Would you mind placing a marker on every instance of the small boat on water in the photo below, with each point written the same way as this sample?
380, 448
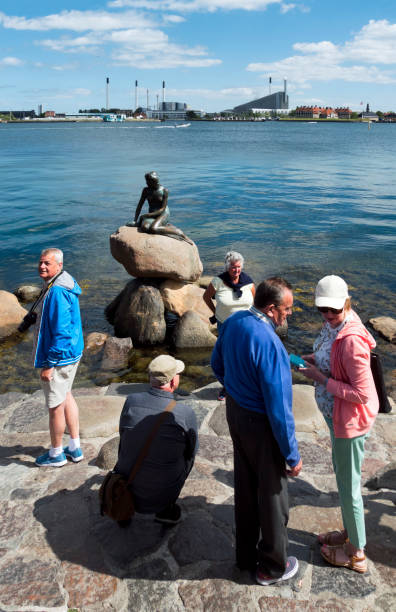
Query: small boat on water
183, 125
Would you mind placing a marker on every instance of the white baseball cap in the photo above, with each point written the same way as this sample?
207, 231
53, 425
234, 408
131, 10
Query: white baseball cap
331, 291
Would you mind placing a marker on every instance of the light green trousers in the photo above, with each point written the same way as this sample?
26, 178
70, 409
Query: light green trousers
347, 456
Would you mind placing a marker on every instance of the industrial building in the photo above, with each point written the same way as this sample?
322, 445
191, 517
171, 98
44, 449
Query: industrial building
276, 102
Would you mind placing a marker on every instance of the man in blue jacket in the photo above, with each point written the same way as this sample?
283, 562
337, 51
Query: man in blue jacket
58, 346
251, 362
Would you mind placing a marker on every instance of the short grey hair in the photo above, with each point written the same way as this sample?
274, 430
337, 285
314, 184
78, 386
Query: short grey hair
231, 257
57, 253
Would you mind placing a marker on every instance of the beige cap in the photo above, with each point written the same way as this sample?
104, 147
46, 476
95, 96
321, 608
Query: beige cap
164, 367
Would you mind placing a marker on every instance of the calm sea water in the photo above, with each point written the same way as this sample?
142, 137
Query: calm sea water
297, 199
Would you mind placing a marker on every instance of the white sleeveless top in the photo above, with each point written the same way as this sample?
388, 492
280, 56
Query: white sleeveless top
226, 302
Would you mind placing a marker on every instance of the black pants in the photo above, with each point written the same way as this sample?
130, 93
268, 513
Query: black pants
261, 499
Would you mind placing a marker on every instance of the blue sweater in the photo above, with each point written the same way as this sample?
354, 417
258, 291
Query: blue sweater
252, 363
59, 340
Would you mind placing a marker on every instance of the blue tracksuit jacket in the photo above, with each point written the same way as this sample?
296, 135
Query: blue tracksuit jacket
59, 336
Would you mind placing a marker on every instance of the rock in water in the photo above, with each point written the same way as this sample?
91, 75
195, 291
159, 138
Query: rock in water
191, 332
27, 293
155, 256
138, 313
115, 353
94, 342
11, 314
385, 326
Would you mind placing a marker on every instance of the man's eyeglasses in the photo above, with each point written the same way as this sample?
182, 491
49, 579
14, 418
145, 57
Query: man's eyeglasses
325, 309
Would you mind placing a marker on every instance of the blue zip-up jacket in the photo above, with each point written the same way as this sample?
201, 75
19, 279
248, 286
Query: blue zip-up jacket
252, 363
59, 338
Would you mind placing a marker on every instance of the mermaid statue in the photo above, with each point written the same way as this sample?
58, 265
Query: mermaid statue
156, 220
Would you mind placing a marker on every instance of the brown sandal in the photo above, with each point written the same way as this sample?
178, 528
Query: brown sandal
332, 538
330, 555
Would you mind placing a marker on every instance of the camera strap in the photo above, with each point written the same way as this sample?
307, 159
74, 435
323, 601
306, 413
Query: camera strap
44, 292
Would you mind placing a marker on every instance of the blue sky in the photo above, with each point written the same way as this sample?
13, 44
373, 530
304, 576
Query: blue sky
212, 54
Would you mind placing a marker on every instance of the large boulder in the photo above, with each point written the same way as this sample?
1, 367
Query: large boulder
179, 297
385, 326
11, 314
191, 332
155, 256
138, 313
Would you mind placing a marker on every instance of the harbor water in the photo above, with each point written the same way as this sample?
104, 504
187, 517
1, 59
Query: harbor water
296, 199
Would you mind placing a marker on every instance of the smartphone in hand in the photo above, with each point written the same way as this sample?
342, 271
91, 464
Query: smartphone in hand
297, 361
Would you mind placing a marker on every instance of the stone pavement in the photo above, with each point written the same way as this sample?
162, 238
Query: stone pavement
57, 553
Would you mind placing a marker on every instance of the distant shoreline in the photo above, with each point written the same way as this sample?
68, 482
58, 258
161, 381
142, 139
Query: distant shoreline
283, 120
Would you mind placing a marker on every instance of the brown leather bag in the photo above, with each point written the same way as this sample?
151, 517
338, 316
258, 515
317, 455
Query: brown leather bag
115, 495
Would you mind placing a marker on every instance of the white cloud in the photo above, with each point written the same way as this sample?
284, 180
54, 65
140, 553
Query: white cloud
285, 8
195, 5
146, 48
64, 67
134, 40
78, 21
360, 60
173, 18
11, 61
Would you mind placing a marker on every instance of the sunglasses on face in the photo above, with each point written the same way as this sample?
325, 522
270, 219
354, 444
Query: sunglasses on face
325, 309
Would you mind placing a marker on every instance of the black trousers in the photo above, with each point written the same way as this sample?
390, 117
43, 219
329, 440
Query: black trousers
261, 499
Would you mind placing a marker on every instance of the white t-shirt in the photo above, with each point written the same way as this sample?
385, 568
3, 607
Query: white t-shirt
226, 301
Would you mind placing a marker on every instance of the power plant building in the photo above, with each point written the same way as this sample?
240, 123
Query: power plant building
278, 101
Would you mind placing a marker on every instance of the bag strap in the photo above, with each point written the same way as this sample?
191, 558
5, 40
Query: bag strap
149, 440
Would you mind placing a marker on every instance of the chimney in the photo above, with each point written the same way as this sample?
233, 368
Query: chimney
107, 93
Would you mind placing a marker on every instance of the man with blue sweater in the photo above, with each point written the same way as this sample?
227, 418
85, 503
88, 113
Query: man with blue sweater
58, 346
251, 362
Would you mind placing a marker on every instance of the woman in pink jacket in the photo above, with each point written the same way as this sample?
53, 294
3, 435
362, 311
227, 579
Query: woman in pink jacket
346, 395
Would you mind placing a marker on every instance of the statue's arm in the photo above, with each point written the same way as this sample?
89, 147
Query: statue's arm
143, 198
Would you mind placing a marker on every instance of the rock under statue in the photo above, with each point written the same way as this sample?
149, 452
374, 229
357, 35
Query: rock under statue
156, 220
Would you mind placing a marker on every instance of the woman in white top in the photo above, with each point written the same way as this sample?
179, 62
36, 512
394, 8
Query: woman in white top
232, 290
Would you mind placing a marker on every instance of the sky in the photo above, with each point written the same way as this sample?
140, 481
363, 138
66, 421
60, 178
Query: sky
212, 54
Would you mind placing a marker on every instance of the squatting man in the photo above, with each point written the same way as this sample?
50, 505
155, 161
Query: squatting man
171, 454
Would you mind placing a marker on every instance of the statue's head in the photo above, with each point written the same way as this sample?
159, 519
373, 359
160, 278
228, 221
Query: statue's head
152, 179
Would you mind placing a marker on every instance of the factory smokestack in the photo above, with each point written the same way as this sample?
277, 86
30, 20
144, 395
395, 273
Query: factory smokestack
163, 91
136, 95
107, 93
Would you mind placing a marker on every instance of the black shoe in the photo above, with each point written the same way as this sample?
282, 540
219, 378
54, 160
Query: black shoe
171, 515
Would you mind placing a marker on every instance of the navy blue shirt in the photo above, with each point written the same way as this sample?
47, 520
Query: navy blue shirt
171, 453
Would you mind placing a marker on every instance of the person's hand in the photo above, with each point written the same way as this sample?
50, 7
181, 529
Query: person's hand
313, 373
309, 358
47, 374
294, 471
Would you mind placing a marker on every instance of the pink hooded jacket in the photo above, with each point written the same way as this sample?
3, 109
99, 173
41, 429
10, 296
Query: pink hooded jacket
352, 384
